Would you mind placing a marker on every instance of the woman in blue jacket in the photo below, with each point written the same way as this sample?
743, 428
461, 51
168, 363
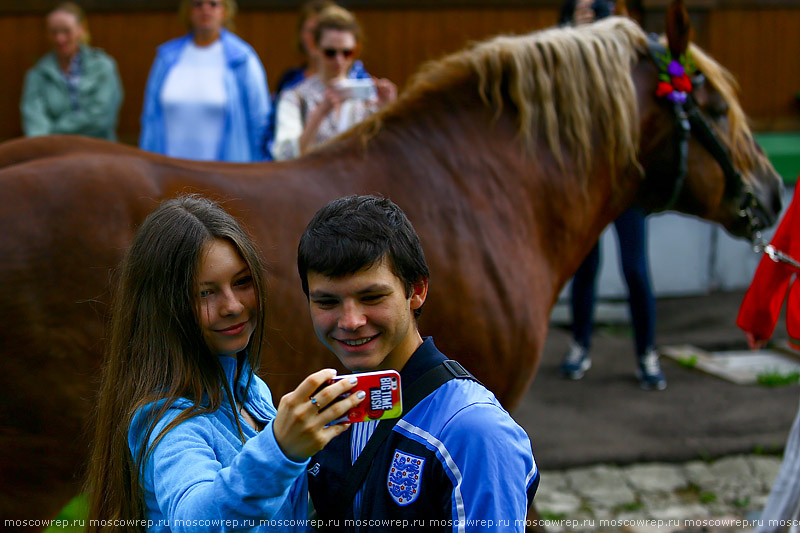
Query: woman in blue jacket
187, 437
206, 96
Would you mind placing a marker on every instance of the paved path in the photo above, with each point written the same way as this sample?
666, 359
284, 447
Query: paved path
723, 496
607, 418
690, 454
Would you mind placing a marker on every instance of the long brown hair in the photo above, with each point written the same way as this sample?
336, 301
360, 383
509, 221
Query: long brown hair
157, 352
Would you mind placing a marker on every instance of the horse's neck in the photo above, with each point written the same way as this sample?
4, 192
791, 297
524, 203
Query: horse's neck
470, 169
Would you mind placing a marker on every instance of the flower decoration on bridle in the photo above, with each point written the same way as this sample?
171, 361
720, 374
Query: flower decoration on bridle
674, 83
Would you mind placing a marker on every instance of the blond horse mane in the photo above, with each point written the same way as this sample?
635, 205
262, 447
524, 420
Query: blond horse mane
742, 153
568, 84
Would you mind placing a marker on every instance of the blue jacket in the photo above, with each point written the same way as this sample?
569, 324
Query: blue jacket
248, 106
200, 477
456, 462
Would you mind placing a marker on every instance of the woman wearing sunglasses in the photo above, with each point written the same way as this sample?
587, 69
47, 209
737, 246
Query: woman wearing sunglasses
206, 97
328, 103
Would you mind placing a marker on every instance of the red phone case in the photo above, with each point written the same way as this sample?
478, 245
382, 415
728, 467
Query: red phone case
384, 397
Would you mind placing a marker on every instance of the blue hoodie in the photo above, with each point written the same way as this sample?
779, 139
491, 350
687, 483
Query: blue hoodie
247, 110
201, 477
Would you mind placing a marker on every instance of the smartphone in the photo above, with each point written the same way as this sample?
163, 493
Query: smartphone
384, 397
357, 89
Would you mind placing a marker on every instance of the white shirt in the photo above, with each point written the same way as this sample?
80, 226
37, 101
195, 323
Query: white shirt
193, 98
296, 105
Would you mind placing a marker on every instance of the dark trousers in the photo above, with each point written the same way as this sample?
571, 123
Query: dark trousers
631, 236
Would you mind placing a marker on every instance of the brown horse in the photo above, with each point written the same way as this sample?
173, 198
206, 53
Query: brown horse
509, 157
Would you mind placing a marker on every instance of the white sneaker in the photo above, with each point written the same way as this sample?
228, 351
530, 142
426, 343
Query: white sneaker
649, 371
576, 362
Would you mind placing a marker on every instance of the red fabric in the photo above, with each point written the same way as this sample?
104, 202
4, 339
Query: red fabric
772, 282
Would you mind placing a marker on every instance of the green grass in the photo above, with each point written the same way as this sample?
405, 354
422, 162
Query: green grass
770, 449
74, 513
630, 507
742, 502
707, 497
777, 379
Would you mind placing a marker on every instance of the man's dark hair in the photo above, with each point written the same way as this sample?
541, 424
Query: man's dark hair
355, 232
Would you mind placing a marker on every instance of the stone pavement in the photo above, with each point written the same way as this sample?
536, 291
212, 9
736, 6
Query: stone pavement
702, 454
720, 496
606, 418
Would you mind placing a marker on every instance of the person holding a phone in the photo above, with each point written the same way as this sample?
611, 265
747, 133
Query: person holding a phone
187, 435
328, 102
456, 458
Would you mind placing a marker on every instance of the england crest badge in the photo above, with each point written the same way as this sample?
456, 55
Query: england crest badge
405, 477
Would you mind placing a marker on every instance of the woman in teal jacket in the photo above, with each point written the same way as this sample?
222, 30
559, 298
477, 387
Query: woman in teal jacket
206, 96
74, 89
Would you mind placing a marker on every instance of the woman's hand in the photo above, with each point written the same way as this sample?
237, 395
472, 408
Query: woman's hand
387, 91
584, 14
300, 425
754, 343
330, 101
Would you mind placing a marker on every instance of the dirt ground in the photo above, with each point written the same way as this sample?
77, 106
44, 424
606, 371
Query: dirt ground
606, 417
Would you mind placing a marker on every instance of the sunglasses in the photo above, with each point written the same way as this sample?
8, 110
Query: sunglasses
330, 53
212, 3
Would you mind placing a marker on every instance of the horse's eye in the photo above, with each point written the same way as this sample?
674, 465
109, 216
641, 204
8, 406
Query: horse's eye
717, 111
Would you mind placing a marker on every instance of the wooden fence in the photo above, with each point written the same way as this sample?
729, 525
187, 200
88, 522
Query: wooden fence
758, 41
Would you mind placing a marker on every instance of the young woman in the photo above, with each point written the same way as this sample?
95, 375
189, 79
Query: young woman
293, 76
187, 437
321, 106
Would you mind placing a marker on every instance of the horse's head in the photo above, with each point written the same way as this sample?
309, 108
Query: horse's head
697, 151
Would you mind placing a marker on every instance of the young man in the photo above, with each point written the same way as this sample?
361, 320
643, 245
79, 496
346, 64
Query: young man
471, 467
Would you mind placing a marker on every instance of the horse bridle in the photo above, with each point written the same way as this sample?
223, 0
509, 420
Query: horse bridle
688, 120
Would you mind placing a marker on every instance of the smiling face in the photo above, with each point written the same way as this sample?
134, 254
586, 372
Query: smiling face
65, 33
226, 298
366, 318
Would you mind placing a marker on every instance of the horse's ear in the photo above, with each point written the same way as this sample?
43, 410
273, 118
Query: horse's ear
679, 28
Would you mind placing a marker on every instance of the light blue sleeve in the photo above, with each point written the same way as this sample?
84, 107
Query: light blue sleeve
152, 134
492, 468
258, 106
193, 489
